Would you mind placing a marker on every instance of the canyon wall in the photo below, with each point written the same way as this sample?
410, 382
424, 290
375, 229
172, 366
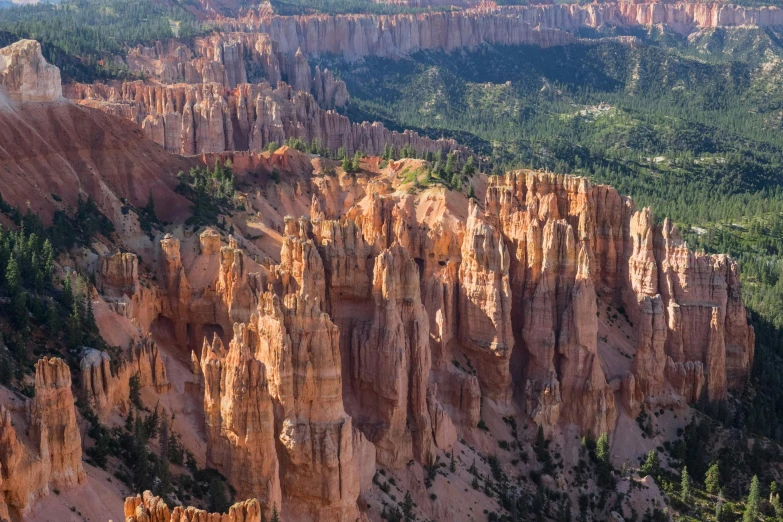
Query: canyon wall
231, 59
204, 118
49, 453
355, 36
391, 326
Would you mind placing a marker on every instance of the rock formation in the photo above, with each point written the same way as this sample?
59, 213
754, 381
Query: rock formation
25, 76
104, 387
53, 456
203, 118
232, 59
547, 24
148, 508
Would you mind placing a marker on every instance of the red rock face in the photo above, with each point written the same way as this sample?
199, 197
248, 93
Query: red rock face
55, 457
546, 24
345, 349
203, 118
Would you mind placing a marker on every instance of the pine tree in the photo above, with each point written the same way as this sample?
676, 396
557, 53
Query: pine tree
151, 423
471, 192
475, 483
650, 466
164, 485
451, 163
347, 165
719, 507
218, 502
141, 468
712, 478
752, 505
13, 279
52, 317
456, 182
540, 440
685, 485
356, 165
452, 464
602, 448
275, 516
564, 511
469, 168
407, 507
130, 421
149, 209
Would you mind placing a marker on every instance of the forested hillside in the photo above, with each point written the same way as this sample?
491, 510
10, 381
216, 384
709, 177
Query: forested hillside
87, 39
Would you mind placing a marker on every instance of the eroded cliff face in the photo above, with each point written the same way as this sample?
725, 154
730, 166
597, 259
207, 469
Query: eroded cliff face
394, 322
232, 59
49, 453
356, 36
25, 76
210, 117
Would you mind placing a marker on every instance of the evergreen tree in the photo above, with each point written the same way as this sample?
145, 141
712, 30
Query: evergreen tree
356, 164
650, 466
407, 507
540, 440
564, 511
275, 516
164, 476
218, 501
469, 168
130, 421
751, 513
471, 192
451, 163
602, 448
685, 485
347, 165
149, 209
13, 279
712, 478
141, 468
456, 182
151, 423
452, 464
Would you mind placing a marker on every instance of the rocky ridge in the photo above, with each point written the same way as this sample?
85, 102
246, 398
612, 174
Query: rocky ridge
356, 36
232, 59
204, 118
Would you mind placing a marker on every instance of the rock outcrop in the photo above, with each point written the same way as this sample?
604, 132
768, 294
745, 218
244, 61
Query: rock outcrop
395, 323
210, 117
25, 76
357, 36
149, 508
52, 457
231, 59
105, 385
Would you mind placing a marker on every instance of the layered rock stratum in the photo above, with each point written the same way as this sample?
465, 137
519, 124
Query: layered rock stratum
356, 36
